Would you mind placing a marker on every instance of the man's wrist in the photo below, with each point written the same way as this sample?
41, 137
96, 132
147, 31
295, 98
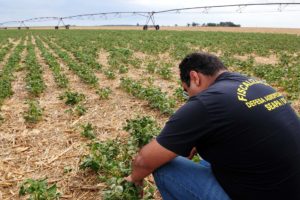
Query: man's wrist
130, 178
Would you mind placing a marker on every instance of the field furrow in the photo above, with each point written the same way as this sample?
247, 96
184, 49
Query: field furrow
11, 130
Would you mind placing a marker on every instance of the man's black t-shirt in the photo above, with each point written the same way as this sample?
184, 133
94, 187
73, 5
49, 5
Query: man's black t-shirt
249, 134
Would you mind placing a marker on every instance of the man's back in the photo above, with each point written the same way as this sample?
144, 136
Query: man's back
248, 133
255, 143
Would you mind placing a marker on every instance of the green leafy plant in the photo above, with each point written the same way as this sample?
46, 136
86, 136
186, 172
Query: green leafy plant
165, 71
4, 51
155, 97
142, 130
60, 78
67, 169
34, 112
151, 67
104, 92
6, 75
110, 74
112, 159
80, 110
39, 190
119, 189
34, 79
118, 56
180, 94
88, 131
196, 159
123, 69
72, 98
83, 71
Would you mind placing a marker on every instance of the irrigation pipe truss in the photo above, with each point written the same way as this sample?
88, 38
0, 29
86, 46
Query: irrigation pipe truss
148, 15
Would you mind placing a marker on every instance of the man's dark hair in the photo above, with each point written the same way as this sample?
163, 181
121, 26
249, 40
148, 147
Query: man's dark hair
204, 63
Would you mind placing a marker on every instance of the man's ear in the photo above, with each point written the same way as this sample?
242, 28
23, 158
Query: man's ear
194, 76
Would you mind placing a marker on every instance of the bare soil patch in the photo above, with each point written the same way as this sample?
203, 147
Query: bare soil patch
103, 57
272, 59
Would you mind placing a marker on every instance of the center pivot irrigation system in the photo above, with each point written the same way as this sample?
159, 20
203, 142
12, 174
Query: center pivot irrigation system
150, 21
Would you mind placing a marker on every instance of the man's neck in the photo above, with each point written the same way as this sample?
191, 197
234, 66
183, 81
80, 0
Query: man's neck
213, 78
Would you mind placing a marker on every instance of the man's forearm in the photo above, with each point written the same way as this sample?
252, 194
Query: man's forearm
150, 157
140, 170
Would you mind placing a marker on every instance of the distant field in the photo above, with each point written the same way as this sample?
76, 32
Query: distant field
184, 28
72, 102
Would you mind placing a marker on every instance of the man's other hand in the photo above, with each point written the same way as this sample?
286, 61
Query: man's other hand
193, 153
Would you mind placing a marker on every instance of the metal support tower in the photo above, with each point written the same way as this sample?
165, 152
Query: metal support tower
150, 18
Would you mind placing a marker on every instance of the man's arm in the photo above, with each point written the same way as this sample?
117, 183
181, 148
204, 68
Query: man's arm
150, 157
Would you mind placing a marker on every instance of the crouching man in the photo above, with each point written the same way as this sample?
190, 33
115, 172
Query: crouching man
246, 132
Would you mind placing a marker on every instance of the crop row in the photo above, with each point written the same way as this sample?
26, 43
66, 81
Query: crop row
6, 76
156, 98
83, 71
60, 78
34, 79
119, 59
81, 52
34, 84
285, 74
162, 69
5, 50
72, 99
179, 43
84, 52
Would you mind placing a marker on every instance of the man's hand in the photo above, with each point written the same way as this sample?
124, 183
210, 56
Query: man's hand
193, 153
137, 183
149, 158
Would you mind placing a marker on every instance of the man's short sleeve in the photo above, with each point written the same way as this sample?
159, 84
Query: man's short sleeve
183, 130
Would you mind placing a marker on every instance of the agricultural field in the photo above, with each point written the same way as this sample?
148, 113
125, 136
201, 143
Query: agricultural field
76, 105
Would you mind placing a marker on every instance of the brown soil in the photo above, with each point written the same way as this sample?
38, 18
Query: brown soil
103, 58
12, 142
272, 60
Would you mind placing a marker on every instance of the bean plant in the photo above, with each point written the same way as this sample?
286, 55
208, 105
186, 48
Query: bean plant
111, 159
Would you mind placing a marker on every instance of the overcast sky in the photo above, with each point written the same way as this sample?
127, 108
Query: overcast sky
263, 16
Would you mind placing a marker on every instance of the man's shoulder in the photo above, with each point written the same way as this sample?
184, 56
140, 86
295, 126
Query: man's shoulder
226, 83
231, 76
